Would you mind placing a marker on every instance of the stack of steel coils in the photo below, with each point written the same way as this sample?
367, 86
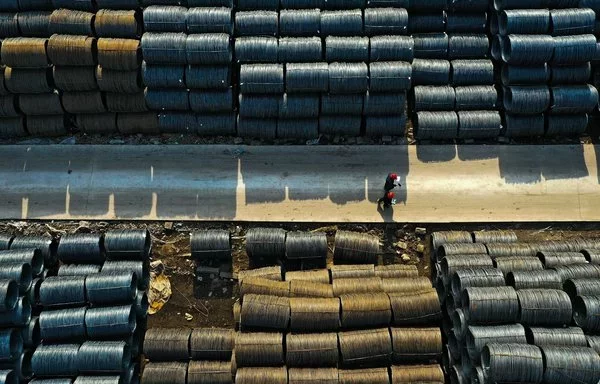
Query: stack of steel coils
211, 251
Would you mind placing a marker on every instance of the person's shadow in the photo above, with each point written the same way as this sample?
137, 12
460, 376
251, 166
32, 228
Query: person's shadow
387, 213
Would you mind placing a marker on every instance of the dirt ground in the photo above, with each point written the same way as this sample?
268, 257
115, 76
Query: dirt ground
171, 246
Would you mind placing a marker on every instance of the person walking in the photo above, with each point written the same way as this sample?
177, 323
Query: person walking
392, 181
387, 200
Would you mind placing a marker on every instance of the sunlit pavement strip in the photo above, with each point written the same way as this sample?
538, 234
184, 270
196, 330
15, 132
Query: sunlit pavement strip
300, 183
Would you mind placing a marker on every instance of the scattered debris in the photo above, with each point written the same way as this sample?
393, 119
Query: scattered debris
188, 317
401, 245
405, 257
420, 231
160, 287
168, 225
420, 248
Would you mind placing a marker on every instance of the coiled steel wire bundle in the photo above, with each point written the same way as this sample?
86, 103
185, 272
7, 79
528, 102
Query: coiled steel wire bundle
416, 344
572, 21
41, 104
546, 279
544, 307
348, 78
481, 98
259, 349
581, 287
31, 333
566, 125
426, 22
495, 236
84, 102
585, 312
478, 337
490, 305
256, 23
119, 54
9, 106
261, 78
55, 360
262, 286
118, 81
384, 104
167, 372
417, 373
94, 123
316, 375
314, 314
352, 271
527, 49
472, 72
465, 46
570, 365
19, 271
518, 263
342, 23
62, 291
19, 316
512, 363
273, 273
261, 375
303, 128
12, 127
573, 99
25, 80
452, 249
163, 76
212, 343
351, 247
524, 21
78, 269
385, 21
99, 379
524, 125
431, 45
572, 74
435, 125
120, 23
33, 257
167, 99
567, 337
391, 48
129, 123
214, 244
365, 375
452, 263
372, 347
256, 49
9, 294
433, 98
12, 345
208, 49
315, 276
9, 25
526, 99
579, 271
300, 49
211, 101
103, 357
430, 72
311, 350
396, 271
213, 371
305, 22
306, 245
74, 78
164, 344
209, 20
63, 325
71, 22
169, 18
164, 48
55, 125
570, 50
301, 4
117, 4
350, 49
511, 249
110, 322
396, 285
479, 124
306, 77
301, 106
459, 324
5, 241
415, 308
208, 77
340, 125
389, 76
25, 52
265, 312
466, 22
213, 124
450, 237
81, 248
553, 259
515, 75
267, 243
127, 244
361, 310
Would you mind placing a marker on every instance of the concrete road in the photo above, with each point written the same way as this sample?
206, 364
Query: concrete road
300, 183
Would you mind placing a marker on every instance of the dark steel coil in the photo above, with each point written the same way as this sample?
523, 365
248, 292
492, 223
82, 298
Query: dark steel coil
174, 122
342, 49
311, 350
491, 305
451, 249
306, 245
570, 365
391, 48
312, 314
25, 80
352, 271
120, 102
98, 380
593, 342
348, 78
267, 243
84, 102
9, 294
72, 50
265, 312
10, 6
415, 308
110, 322
299, 106
9, 106
372, 347
464, 46
5, 241
12, 127
572, 21
524, 125
29, 5
301, 4
573, 99
385, 21
167, 344
430, 72
390, 76
523, 75
495, 236
261, 375
465, 22
167, 18
524, 21
305, 22
128, 244
472, 72
512, 363
313, 375
435, 125
518, 263
342, 23
553, 259
365, 375
164, 48
410, 345
384, 104
209, 49
511, 249
167, 99
426, 22
123, 24
578, 271
256, 49
31, 333
19, 271
479, 124
212, 343
546, 279
211, 101
385, 125
306, 77
477, 337
209, 20
25, 52
141, 306
11, 345
163, 76
352, 247
114, 286
527, 49
571, 74
585, 313
566, 125
431, 45
117, 4
109, 80
71, 22
300, 49
475, 277
33, 257
340, 125
21, 366
263, 286
433, 98
214, 244
316, 276
450, 237
129, 123
526, 99
81, 5
581, 287
127, 249
74, 78
208, 77
55, 360
417, 373
63, 325
406, 284
452, 263
48, 125
544, 307
63, 291
78, 269
218, 372
9, 25
570, 50
119, 54
259, 349
356, 285
566, 337
168, 372
261, 78
41, 104
396, 271
103, 357
19, 316
265, 128
256, 23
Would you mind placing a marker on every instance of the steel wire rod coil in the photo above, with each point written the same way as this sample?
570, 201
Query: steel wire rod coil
272, 273
302, 128
342, 23
495, 236
299, 288
477, 337
546, 279
347, 78
168, 18
212, 371
262, 78
118, 23
472, 72
163, 76
593, 342
212, 343
313, 375
352, 247
167, 372
450, 237
19, 316
129, 244
392, 76
12, 127
574, 49
579, 271
174, 122
415, 308
11, 345
301, 4
109, 80
510, 249
119, 54
114, 286
527, 49
365, 375
346, 49
391, 48
71, 22
452, 249
435, 125
426, 22
261, 375
9, 294
209, 20
9, 25
360, 310
314, 314
267, 243
300, 49
315, 276
214, 244
411, 345
585, 313
33, 257
265, 312
396, 285
25, 52
572, 74
518, 263
167, 99
71, 79
165, 344
396, 271
581, 287
524, 21
364, 348
78, 269
31, 333
384, 104
523, 75
311, 350
63, 291
9, 106
54, 125
512, 363
574, 21
431, 46
131, 103
475, 277
55, 360
342, 104
260, 106
257, 23
208, 77
81, 248
452, 263
164, 48
83, 102
306, 245
566, 125
5, 241
19, 271
259, 349
352, 271
139, 268
103, 357
306, 77
103, 323
527, 99
491, 305
430, 72
302, 106
466, 22
41, 104
554, 259
544, 307
433, 98
385, 21
257, 127
565, 337
27, 80
209, 49
573, 99
98, 380
305, 22
479, 124
468, 46
63, 325
262, 286
256, 49
417, 373
570, 365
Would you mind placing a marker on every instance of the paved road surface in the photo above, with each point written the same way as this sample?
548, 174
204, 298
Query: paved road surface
300, 183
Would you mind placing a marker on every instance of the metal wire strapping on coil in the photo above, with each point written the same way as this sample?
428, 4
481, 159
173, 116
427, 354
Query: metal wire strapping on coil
411, 345
370, 347
163, 76
261, 375
300, 49
70, 22
311, 350
475, 277
574, 49
19, 271
512, 363
524, 21
491, 305
164, 48
55, 360
63, 290
567, 337
527, 49
261, 78
259, 349
526, 99
256, 49
124, 24
110, 322
306, 77
479, 124
168, 372
63, 325
433, 98
573, 99
431, 45
435, 125
216, 371
415, 308
306, 22
265, 312
164, 344
570, 365
472, 72
118, 81
22, 52
212, 343
544, 307
256, 23
464, 46
209, 20
477, 337
299, 106
159, 18
314, 314
342, 23
430, 72
25, 80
